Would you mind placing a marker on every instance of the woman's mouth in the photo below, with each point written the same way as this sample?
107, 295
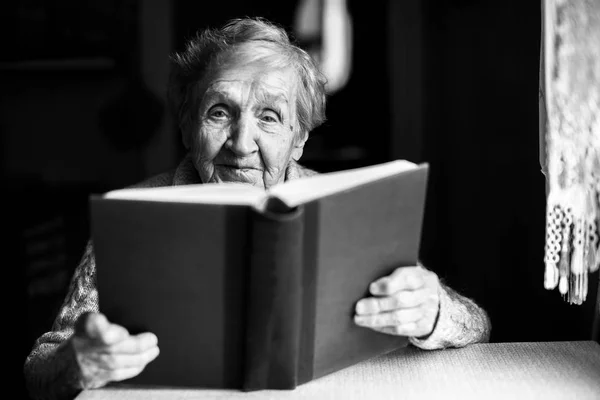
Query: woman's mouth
241, 168
238, 173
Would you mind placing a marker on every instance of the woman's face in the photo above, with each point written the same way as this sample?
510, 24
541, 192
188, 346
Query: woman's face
244, 130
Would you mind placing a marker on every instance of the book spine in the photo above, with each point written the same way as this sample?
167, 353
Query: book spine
274, 303
309, 292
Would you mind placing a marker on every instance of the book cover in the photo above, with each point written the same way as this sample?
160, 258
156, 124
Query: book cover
256, 291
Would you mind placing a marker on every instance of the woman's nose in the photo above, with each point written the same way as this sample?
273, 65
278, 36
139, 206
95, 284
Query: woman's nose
242, 140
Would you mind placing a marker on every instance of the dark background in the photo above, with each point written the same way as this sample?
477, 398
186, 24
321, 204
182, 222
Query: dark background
450, 82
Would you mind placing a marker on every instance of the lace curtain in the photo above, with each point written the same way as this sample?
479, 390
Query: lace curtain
570, 143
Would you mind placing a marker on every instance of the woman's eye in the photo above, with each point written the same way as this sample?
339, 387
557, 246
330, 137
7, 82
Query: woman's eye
269, 116
218, 113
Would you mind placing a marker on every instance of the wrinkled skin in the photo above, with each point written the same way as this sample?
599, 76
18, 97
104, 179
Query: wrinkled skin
106, 352
245, 129
405, 303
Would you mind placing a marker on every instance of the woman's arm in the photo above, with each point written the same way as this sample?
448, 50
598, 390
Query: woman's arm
460, 322
51, 369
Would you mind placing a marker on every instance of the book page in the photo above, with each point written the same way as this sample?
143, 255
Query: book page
207, 193
294, 193
291, 193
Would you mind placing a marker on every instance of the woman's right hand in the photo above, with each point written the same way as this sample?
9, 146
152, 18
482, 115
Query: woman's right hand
106, 352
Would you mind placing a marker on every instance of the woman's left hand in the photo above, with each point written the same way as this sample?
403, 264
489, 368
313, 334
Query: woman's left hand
405, 303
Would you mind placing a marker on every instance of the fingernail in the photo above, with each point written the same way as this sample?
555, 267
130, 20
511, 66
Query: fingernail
373, 287
379, 287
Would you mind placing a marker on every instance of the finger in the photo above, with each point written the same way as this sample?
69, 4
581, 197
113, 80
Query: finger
116, 361
397, 330
418, 328
403, 278
90, 325
390, 318
135, 344
95, 326
125, 373
113, 334
400, 299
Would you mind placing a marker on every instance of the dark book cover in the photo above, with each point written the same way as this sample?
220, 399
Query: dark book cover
178, 271
349, 239
248, 299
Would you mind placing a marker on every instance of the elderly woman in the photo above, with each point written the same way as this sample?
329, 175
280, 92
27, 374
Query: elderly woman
246, 99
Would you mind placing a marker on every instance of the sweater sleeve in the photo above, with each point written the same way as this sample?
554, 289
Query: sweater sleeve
51, 370
460, 322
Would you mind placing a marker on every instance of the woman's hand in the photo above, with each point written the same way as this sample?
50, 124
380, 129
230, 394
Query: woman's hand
405, 303
107, 352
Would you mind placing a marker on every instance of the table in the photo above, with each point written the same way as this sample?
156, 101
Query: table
538, 370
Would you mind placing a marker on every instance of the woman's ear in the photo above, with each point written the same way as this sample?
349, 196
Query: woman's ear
298, 149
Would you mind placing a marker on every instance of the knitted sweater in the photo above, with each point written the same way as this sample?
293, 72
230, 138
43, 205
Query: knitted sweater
51, 369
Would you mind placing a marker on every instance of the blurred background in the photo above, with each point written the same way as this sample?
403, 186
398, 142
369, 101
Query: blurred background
450, 82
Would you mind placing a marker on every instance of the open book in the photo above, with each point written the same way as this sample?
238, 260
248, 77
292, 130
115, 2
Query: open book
254, 289
291, 193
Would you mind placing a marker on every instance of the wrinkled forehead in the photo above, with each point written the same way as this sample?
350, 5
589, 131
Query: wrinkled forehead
252, 84
256, 68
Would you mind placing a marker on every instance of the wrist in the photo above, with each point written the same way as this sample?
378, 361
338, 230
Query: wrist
435, 323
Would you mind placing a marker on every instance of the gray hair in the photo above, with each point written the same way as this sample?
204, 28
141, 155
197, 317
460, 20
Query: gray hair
204, 52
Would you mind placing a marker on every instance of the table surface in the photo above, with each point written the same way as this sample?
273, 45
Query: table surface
537, 370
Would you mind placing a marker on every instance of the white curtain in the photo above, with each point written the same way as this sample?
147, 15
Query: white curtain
570, 143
